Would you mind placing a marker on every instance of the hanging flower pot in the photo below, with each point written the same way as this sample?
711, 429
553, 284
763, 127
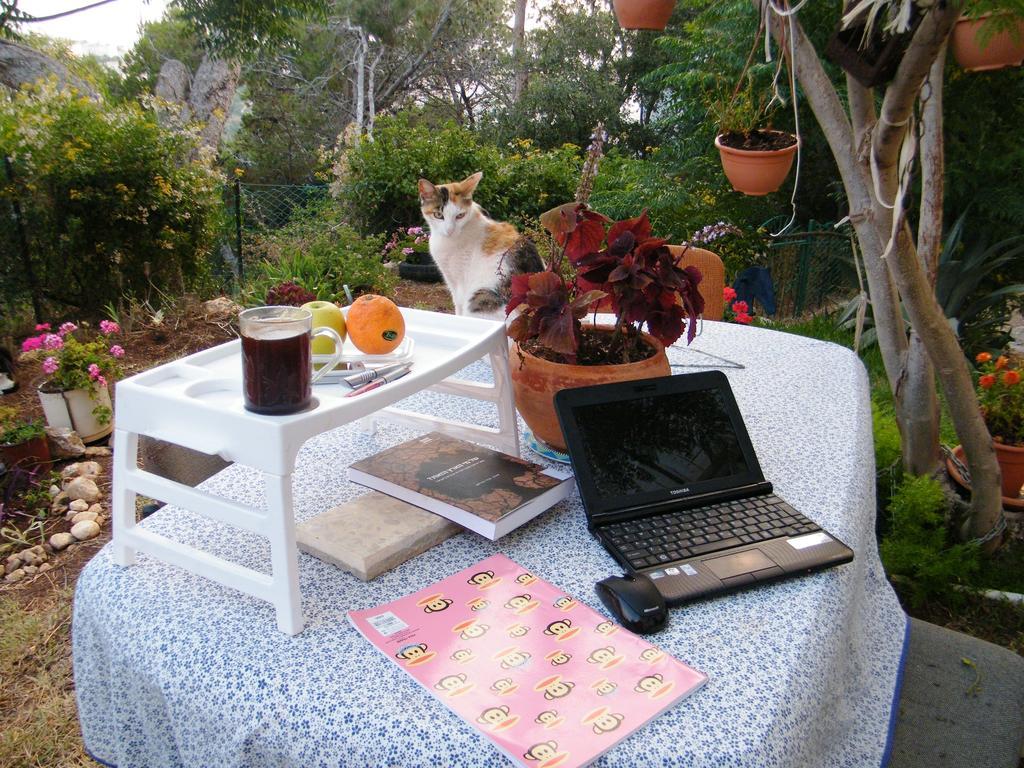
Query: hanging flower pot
1004, 48
88, 413
643, 14
756, 162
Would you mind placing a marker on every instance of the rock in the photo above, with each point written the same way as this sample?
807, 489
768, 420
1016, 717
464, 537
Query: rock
30, 570
78, 505
38, 550
28, 557
89, 469
101, 520
12, 566
48, 548
97, 450
71, 470
60, 503
220, 309
12, 559
45, 567
87, 529
82, 488
97, 508
64, 443
54, 490
61, 541
83, 516
13, 576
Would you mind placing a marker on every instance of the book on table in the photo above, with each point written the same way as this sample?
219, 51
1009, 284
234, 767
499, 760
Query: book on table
484, 490
548, 680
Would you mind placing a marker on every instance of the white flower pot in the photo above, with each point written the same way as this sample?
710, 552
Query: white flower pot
73, 409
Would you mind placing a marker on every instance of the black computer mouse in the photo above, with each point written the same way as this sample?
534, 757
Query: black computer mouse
634, 602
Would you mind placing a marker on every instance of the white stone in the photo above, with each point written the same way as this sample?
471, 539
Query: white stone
96, 450
61, 541
11, 559
54, 490
17, 575
78, 505
12, 566
64, 443
97, 508
101, 520
38, 549
30, 569
28, 557
71, 470
83, 516
87, 529
45, 567
89, 468
82, 488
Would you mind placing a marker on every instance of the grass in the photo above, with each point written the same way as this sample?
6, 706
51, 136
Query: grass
38, 718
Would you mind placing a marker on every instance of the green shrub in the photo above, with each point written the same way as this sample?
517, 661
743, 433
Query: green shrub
376, 180
920, 545
319, 252
111, 202
888, 455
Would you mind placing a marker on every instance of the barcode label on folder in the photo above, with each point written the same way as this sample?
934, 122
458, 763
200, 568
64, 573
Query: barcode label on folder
386, 623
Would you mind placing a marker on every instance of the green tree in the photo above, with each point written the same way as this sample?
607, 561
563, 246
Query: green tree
171, 37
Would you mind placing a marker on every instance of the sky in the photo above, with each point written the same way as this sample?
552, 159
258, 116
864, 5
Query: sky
108, 30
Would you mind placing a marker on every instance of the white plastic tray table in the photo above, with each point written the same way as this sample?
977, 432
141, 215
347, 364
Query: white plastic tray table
196, 402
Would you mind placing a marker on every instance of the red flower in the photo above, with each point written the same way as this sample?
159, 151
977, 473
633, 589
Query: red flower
740, 307
983, 357
1010, 378
1001, 362
743, 318
728, 294
987, 380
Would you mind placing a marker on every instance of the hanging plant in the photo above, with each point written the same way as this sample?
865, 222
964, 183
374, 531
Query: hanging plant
989, 41
872, 37
643, 14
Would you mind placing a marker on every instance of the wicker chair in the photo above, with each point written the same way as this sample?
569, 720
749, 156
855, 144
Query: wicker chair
710, 266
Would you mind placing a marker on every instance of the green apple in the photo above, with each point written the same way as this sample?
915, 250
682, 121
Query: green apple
326, 314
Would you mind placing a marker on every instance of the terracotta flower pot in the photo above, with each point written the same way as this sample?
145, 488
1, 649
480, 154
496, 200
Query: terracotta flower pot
643, 14
29, 454
73, 409
1011, 464
756, 172
536, 381
1004, 49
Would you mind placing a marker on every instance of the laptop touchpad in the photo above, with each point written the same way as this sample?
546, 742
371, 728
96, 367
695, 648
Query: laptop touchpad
741, 562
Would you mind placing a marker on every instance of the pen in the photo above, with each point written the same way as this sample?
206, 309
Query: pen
368, 375
380, 381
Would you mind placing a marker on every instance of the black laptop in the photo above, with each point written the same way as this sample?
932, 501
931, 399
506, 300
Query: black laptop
672, 487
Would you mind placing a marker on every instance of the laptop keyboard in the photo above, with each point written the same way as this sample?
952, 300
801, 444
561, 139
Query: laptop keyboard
673, 536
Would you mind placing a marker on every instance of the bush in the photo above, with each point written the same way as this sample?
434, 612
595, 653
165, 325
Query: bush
376, 181
319, 252
111, 203
919, 546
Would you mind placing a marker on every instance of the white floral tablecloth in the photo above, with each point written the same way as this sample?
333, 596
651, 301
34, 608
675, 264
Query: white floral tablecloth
174, 670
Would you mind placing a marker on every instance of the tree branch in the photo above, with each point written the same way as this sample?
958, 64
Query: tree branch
414, 65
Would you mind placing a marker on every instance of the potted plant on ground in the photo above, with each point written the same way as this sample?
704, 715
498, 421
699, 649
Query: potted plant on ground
75, 392
412, 245
989, 41
22, 443
643, 14
1001, 397
594, 257
755, 160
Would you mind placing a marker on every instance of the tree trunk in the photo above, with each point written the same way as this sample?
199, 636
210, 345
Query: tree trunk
209, 101
21, 65
518, 52
370, 94
360, 94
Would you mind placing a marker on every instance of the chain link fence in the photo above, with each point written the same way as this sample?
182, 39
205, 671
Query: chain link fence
811, 270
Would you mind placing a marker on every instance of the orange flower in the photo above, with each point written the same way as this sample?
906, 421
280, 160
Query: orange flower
987, 380
1001, 362
983, 357
1010, 378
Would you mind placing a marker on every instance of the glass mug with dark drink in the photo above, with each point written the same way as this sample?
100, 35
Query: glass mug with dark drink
277, 362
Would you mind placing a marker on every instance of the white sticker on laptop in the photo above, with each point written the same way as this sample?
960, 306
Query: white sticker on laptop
386, 623
688, 569
672, 571
810, 540
657, 575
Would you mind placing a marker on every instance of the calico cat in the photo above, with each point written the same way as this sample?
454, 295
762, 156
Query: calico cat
476, 255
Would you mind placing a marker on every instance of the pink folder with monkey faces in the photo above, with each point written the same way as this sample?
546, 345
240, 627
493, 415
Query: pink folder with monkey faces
550, 681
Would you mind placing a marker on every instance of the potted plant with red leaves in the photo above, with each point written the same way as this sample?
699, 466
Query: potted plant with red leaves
595, 258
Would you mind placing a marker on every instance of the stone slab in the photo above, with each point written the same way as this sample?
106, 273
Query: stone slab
372, 534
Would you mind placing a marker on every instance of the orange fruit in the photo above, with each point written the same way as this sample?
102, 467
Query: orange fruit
375, 324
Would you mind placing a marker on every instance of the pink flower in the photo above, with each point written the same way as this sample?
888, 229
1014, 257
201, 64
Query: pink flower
117, 350
415, 230
43, 327
101, 381
743, 318
50, 366
53, 341
728, 294
32, 343
109, 326
94, 371
740, 307
67, 328
421, 239
407, 251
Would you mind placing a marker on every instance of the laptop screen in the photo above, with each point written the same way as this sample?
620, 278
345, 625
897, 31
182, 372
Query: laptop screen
638, 443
